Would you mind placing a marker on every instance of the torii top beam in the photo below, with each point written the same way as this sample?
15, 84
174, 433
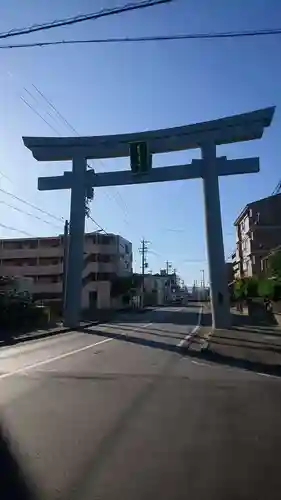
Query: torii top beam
237, 128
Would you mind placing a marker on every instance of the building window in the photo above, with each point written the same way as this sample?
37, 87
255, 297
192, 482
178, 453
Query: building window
250, 212
55, 278
29, 262
244, 245
12, 245
49, 261
254, 259
50, 242
32, 244
103, 257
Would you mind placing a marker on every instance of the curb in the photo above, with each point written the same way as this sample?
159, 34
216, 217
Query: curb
38, 336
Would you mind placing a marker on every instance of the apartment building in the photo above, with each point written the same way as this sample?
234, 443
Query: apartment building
106, 256
258, 230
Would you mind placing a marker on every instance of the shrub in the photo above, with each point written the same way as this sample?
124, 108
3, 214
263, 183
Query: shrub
266, 288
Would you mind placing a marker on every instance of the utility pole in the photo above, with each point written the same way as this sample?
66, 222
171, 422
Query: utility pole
203, 278
65, 258
168, 266
143, 251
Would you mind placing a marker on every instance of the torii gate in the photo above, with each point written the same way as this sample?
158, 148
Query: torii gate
206, 136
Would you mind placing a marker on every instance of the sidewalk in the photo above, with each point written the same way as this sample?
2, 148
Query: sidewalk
250, 344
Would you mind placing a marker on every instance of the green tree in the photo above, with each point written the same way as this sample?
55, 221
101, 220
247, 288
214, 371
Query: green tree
274, 261
266, 288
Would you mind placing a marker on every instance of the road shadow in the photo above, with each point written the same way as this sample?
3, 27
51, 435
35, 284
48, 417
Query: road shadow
206, 318
245, 344
14, 484
271, 332
184, 350
155, 332
243, 320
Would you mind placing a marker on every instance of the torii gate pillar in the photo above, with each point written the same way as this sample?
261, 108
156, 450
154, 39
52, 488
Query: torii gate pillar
220, 304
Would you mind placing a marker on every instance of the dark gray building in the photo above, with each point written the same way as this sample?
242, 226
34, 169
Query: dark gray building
258, 230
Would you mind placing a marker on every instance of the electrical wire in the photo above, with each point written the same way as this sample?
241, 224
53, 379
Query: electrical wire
60, 219
81, 18
36, 100
73, 129
98, 225
29, 214
17, 230
160, 38
55, 110
21, 199
56, 131
277, 189
38, 114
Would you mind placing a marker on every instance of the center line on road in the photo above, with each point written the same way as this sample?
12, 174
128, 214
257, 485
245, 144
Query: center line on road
55, 358
193, 331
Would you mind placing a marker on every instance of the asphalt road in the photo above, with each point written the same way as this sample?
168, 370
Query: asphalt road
114, 413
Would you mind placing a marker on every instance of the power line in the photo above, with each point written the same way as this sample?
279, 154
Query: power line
29, 214
56, 110
36, 100
60, 219
56, 131
39, 114
81, 18
21, 199
17, 230
159, 38
277, 189
98, 225
71, 127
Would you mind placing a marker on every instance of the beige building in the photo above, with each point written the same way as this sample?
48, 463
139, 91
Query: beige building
258, 230
106, 256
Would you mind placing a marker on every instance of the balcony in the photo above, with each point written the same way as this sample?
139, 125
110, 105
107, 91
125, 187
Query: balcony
99, 267
31, 270
47, 288
27, 253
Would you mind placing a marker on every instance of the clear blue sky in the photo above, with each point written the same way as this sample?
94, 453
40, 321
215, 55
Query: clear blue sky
103, 89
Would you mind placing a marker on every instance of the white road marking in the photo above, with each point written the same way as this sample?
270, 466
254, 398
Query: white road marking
267, 375
55, 358
193, 331
200, 364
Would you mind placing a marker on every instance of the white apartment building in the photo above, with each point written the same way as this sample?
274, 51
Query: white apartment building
106, 256
161, 288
